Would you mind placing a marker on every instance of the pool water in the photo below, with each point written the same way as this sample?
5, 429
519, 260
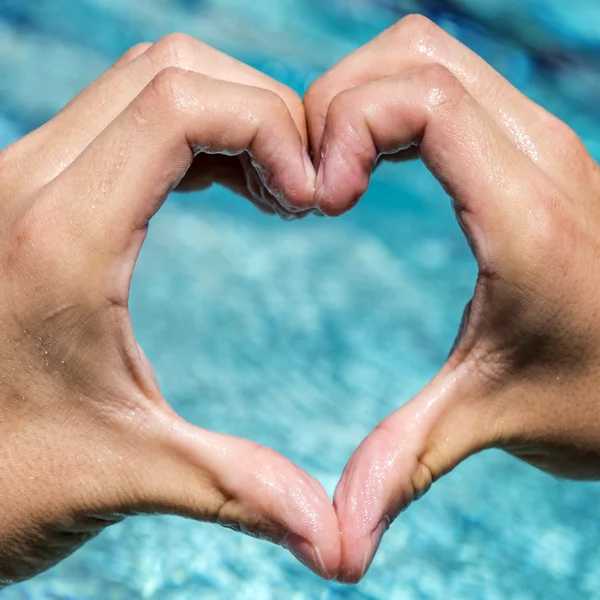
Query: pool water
303, 336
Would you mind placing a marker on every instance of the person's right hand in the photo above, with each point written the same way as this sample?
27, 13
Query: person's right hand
86, 436
525, 372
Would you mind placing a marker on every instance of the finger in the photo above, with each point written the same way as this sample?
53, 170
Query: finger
492, 184
209, 169
414, 42
63, 138
132, 54
400, 459
147, 460
246, 487
132, 166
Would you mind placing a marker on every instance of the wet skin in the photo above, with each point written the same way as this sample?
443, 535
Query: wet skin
86, 437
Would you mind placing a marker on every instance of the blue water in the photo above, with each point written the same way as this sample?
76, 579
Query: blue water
303, 336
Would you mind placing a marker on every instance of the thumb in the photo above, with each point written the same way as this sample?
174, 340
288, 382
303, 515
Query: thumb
401, 458
184, 470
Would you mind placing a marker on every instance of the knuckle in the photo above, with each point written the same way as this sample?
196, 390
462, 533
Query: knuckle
267, 464
174, 49
38, 264
317, 91
571, 150
32, 247
139, 48
167, 82
322, 91
18, 242
7, 161
133, 53
292, 100
340, 105
165, 93
443, 89
347, 123
227, 514
273, 105
416, 32
436, 74
551, 222
569, 140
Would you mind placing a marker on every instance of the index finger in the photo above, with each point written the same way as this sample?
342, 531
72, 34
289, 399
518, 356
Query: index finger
129, 170
415, 42
492, 184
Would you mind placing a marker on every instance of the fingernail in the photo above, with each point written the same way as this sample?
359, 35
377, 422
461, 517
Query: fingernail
320, 185
309, 168
321, 174
305, 552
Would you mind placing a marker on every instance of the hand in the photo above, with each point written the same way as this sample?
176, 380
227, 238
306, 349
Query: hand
86, 436
525, 370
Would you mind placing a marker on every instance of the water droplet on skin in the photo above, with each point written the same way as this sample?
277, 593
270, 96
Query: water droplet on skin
520, 137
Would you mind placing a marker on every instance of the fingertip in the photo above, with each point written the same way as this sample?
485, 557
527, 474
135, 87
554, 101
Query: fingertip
365, 496
309, 168
325, 204
254, 490
335, 204
339, 184
311, 557
317, 546
358, 555
374, 543
291, 188
303, 510
316, 112
333, 207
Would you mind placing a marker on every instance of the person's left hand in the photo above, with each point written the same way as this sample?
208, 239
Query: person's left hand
523, 375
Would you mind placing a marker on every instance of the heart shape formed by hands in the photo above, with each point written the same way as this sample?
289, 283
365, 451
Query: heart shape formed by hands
180, 115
